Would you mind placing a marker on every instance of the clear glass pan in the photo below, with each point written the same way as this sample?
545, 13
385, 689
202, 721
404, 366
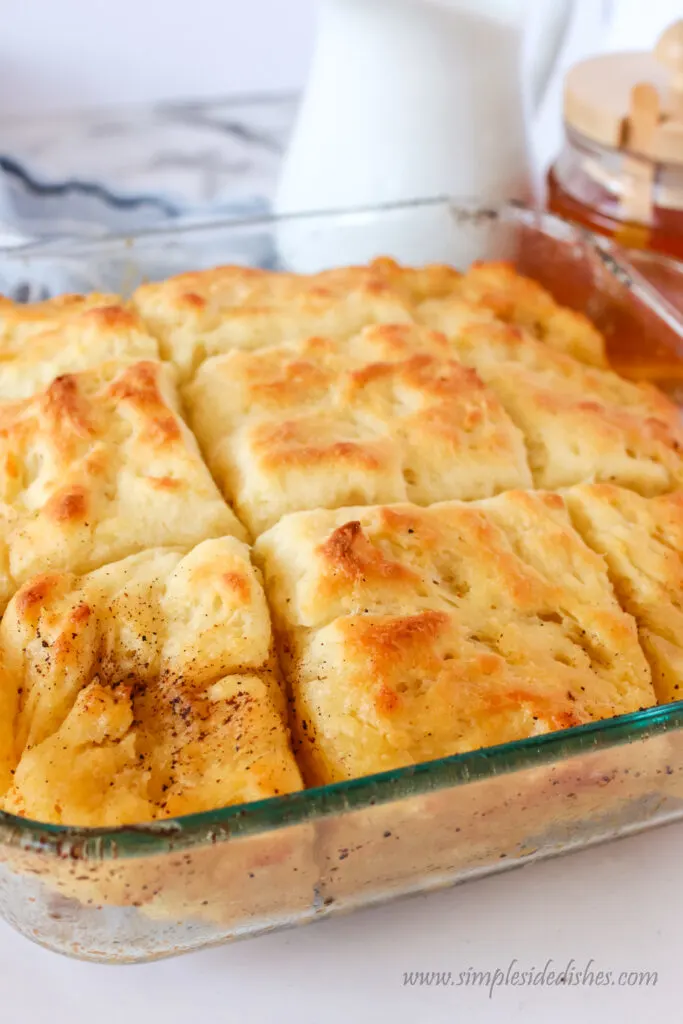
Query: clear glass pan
138, 893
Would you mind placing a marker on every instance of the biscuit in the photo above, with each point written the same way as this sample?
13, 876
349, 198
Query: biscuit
38, 349
143, 690
96, 467
508, 297
642, 542
386, 416
580, 422
22, 320
409, 634
209, 312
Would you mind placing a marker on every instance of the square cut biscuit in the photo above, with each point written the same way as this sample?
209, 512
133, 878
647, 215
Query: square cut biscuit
210, 312
581, 423
33, 353
386, 416
143, 690
22, 320
411, 633
494, 291
96, 467
641, 540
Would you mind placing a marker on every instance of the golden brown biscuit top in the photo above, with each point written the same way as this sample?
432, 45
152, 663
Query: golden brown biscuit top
412, 633
642, 542
580, 422
409, 631
521, 302
210, 312
141, 690
515, 551
19, 321
223, 288
644, 536
491, 291
384, 416
84, 340
98, 466
204, 313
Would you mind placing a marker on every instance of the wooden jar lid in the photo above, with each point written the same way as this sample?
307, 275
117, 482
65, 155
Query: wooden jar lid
632, 101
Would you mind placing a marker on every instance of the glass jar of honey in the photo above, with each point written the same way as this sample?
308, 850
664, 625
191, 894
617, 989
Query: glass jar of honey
621, 170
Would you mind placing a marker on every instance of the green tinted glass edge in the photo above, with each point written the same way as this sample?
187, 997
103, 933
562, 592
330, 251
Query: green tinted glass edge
338, 798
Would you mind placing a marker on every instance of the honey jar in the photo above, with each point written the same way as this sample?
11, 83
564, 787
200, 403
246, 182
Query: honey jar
621, 169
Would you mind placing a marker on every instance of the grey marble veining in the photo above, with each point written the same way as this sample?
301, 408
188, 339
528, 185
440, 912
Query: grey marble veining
117, 170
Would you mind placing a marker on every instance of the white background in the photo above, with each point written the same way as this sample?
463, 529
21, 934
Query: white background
73, 53
57, 54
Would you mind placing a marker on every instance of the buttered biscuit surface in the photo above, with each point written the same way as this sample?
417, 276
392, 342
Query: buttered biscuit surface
206, 312
409, 634
96, 467
38, 345
387, 415
142, 690
642, 542
580, 423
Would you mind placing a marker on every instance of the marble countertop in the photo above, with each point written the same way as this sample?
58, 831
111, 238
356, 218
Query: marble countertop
121, 169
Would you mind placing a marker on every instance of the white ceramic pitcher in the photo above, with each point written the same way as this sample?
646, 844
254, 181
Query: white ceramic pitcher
419, 98
412, 98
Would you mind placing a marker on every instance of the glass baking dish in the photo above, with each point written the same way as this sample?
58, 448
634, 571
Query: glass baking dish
139, 893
